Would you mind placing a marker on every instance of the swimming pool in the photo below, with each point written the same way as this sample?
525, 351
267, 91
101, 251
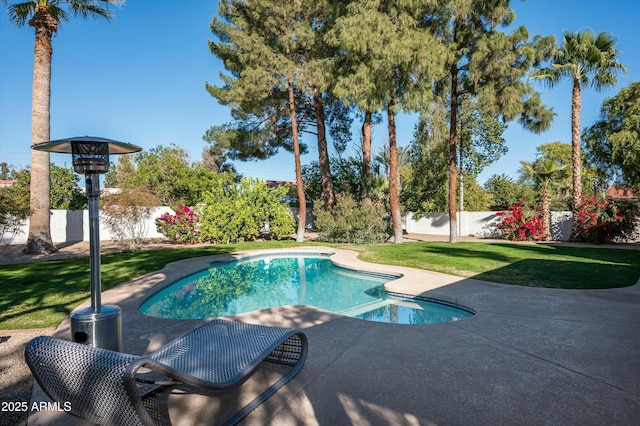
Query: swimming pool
268, 281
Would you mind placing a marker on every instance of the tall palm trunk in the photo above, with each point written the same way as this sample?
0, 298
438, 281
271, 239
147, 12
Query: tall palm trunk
326, 180
296, 154
453, 171
39, 239
394, 200
367, 125
576, 160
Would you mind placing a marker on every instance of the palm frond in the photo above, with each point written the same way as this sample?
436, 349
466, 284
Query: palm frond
86, 9
19, 13
57, 12
543, 170
590, 58
550, 76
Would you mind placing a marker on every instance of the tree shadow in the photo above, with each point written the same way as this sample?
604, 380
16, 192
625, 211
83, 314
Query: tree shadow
531, 264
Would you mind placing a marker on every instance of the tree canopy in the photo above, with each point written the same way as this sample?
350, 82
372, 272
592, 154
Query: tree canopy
613, 142
164, 171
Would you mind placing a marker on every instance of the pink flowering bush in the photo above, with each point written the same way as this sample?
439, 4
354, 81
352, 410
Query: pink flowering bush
181, 227
602, 219
520, 223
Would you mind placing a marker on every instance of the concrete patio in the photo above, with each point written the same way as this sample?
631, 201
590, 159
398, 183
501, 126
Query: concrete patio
530, 356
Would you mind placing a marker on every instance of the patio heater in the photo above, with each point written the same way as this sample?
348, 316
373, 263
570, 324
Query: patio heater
100, 325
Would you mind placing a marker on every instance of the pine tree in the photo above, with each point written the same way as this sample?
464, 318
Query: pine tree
258, 43
391, 57
251, 50
490, 66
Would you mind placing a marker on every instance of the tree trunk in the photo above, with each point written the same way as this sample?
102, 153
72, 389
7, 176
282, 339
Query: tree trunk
394, 201
296, 154
39, 239
453, 172
326, 180
367, 126
461, 179
546, 214
576, 160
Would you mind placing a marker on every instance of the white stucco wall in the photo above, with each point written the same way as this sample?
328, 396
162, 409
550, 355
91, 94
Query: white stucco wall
479, 224
73, 225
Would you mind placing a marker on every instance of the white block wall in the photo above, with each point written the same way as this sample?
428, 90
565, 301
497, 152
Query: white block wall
73, 226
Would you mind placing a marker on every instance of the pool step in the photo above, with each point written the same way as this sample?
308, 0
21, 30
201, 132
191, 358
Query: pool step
366, 307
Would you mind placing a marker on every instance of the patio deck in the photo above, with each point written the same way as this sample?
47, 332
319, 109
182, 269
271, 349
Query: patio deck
529, 356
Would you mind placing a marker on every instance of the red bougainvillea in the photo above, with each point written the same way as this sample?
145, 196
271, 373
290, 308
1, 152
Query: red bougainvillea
181, 227
602, 219
520, 223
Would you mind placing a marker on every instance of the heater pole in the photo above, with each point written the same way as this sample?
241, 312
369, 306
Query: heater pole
98, 325
93, 193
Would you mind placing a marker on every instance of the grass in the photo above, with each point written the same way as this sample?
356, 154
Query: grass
38, 295
534, 265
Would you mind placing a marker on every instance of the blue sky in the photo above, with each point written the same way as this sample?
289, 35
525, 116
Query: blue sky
141, 79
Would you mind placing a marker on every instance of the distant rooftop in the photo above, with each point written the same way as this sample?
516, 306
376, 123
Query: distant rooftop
623, 192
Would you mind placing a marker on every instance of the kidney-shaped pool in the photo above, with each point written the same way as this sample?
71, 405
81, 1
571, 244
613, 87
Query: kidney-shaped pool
269, 281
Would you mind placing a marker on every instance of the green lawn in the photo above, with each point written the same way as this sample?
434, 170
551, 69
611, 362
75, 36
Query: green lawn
534, 265
40, 294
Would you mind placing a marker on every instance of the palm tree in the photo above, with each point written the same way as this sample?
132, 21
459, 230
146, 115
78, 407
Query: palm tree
383, 158
544, 172
586, 59
44, 16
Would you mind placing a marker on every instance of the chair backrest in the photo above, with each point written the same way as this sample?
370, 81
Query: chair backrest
89, 382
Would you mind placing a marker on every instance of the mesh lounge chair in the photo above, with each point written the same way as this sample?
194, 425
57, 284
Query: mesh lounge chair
106, 387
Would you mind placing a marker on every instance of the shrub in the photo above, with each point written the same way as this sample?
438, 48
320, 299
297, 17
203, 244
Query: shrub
180, 227
126, 215
244, 212
602, 219
353, 222
14, 209
520, 223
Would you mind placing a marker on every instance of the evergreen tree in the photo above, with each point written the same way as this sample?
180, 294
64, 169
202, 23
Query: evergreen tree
391, 57
262, 124
491, 66
65, 194
259, 43
426, 187
503, 192
165, 172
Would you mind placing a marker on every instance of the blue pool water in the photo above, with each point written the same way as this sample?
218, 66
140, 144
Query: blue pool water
293, 279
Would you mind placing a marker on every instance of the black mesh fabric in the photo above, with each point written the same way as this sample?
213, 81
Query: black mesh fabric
105, 387
222, 353
89, 380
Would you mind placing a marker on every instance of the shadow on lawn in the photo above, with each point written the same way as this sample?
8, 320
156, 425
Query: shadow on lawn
575, 275
532, 264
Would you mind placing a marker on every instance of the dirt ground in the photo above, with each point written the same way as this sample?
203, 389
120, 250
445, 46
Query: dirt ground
13, 254
16, 381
